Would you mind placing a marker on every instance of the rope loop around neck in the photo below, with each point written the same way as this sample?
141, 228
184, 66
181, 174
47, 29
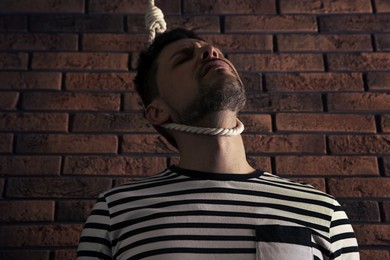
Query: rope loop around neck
207, 131
154, 21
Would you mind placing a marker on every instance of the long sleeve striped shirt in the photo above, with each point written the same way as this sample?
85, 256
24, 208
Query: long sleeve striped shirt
184, 214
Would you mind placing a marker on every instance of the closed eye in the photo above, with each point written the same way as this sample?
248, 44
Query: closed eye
183, 56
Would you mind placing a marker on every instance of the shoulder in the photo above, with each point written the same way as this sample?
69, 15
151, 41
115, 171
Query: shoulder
139, 185
298, 189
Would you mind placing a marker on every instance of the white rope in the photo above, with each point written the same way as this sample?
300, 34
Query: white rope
154, 20
207, 131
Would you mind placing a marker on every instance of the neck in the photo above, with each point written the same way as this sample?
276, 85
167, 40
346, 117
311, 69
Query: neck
217, 154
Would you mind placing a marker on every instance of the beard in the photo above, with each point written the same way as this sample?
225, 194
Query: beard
225, 93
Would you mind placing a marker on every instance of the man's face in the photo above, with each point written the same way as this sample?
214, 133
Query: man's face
195, 80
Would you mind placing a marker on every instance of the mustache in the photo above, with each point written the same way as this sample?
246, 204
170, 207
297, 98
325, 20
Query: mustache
205, 65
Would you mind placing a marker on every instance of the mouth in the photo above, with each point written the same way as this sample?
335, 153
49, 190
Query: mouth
213, 65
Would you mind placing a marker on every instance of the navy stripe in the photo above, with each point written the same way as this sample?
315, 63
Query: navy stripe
204, 202
194, 251
198, 225
345, 250
95, 254
342, 236
284, 234
129, 223
95, 240
183, 238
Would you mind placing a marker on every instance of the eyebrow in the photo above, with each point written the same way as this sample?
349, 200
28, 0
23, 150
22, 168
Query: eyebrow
182, 51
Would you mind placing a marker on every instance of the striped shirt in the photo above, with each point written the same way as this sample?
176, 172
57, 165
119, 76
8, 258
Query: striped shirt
184, 214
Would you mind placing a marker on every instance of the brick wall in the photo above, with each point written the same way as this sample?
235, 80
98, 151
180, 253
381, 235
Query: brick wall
317, 74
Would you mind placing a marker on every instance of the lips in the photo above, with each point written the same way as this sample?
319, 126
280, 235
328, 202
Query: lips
213, 65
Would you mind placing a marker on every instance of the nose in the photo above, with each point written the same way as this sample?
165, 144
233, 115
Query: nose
208, 51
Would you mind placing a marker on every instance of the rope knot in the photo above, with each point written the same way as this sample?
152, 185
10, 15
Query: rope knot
154, 20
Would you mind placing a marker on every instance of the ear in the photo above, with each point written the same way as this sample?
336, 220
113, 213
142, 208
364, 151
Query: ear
157, 113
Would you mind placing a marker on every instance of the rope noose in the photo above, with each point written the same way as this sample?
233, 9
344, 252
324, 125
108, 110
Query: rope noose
155, 23
154, 20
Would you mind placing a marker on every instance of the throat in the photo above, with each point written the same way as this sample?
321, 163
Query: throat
214, 154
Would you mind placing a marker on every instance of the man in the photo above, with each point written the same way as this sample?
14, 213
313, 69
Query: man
213, 204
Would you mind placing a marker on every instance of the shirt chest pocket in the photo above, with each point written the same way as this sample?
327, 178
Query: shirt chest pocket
276, 242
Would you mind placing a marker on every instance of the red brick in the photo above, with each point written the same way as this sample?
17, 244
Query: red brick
362, 211
30, 165
25, 254
13, 23
133, 102
74, 210
378, 81
114, 42
230, 7
325, 6
57, 143
318, 42
133, 7
8, 100
100, 81
240, 42
360, 187
277, 62
260, 162
40, 235
283, 103
134, 60
371, 254
355, 23
56, 187
255, 123
42, 6
313, 82
372, 234
38, 42
146, 144
77, 23
317, 183
268, 144
359, 102
252, 81
359, 144
104, 122
80, 61
66, 254
359, 61
6, 143
326, 165
118, 165
382, 6
26, 210
123, 181
385, 121
200, 24
386, 210
38, 122
269, 23
13, 60
325, 122
173, 160
30, 80
382, 42
71, 101
2, 187
386, 161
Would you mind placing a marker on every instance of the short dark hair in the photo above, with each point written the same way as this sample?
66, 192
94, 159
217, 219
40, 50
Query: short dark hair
145, 81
